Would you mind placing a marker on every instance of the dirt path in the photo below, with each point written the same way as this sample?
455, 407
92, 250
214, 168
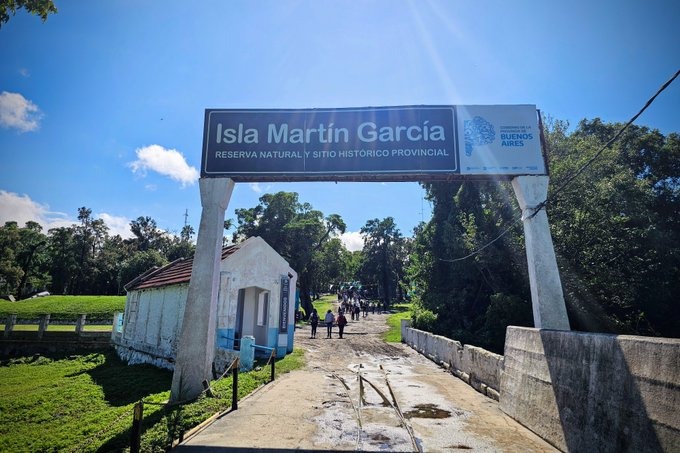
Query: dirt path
344, 399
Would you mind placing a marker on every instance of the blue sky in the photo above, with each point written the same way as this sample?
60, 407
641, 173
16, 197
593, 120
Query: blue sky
103, 105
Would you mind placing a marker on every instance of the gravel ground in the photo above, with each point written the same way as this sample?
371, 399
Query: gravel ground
359, 393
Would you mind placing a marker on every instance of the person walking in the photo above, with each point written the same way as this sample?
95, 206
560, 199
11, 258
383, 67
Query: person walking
329, 319
314, 321
342, 322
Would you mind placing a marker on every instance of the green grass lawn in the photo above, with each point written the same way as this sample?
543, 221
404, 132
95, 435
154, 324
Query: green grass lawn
84, 402
324, 304
64, 307
403, 311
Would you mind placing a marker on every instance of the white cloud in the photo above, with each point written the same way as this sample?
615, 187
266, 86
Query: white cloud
17, 112
21, 209
167, 162
117, 225
353, 240
24, 72
257, 188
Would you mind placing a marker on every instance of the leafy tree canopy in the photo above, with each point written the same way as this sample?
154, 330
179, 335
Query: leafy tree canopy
83, 258
41, 8
615, 228
294, 229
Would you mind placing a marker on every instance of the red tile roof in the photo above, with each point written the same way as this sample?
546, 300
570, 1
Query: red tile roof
179, 271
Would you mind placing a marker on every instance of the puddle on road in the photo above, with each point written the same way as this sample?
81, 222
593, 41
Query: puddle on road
427, 411
380, 441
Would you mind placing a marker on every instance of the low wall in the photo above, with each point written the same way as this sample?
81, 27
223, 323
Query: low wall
578, 391
26, 343
594, 392
476, 366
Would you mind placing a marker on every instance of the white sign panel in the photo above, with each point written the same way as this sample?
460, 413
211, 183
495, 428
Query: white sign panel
499, 140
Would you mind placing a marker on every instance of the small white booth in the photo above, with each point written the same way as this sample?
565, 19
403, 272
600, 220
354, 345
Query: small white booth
256, 298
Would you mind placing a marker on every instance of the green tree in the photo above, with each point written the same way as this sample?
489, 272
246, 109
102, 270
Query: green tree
147, 234
332, 265
352, 266
41, 8
89, 238
10, 270
62, 259
458, 287
187, 233
383, 256
139, 263
31, 257
295, 230
178, 248
109, 263
82, 258
615, 228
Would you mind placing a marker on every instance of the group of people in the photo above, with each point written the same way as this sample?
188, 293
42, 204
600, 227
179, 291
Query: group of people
354, 302
329, 319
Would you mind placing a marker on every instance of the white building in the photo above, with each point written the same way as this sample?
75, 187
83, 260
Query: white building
256, 298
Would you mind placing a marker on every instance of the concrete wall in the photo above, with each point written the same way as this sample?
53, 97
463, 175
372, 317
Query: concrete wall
578, 391
594, 392
151, 330
476, 366
26, 343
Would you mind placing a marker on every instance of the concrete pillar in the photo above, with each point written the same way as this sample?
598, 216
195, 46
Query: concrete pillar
42, 327
246, 358
196, 346
547, 298
80, 324
9, 325
405, 324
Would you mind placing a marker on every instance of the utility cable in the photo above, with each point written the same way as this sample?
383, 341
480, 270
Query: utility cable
611, 141
566, 182
488, 244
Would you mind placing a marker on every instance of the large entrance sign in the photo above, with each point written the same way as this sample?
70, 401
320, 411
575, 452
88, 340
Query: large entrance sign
419, 143
412, 143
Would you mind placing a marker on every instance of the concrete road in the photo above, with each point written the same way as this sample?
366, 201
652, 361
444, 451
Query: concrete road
362, 394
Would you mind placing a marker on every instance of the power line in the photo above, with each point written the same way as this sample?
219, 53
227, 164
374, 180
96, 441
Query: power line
562, 186
476, 252
604, 147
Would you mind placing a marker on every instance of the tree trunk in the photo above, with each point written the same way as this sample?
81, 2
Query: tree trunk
305, 299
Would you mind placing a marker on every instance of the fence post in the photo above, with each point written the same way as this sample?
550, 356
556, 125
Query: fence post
273, 365
80, 324
136, 432
9, 324
44, 322
234, 385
